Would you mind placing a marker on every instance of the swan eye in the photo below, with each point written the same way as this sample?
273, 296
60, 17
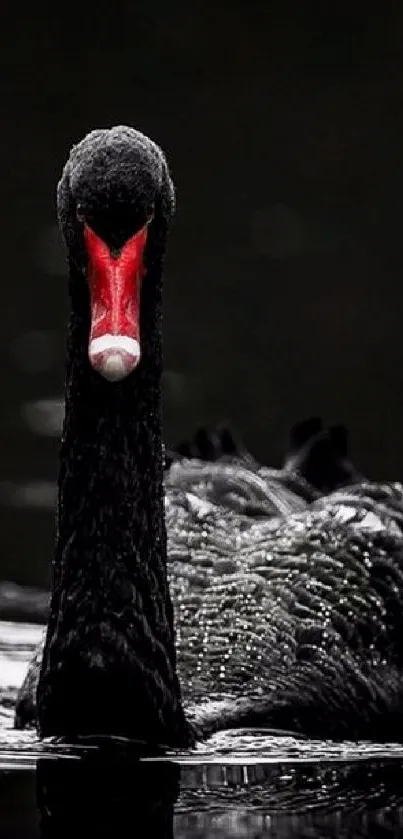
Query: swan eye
79, 214
150, 215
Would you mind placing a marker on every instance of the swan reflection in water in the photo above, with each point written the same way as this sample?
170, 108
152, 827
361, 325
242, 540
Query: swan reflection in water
117, 796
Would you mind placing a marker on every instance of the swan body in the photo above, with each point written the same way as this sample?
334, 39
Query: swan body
292, 622
287, 616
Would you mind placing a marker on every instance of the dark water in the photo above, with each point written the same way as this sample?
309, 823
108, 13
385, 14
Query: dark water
241, 783
118, 797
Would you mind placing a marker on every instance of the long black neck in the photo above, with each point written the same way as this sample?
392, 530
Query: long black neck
111, 631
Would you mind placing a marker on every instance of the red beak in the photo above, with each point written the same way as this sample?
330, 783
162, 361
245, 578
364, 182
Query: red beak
115, 284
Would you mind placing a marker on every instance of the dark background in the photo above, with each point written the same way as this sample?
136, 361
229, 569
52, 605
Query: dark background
282, 123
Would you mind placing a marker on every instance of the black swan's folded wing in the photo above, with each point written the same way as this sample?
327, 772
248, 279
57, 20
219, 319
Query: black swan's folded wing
294, 622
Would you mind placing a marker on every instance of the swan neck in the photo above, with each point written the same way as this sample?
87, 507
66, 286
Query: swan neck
111, 625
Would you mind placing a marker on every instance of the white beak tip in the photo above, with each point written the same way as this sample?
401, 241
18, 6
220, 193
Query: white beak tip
113, 367
114, 356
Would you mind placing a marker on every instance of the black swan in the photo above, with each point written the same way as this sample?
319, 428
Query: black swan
293, 621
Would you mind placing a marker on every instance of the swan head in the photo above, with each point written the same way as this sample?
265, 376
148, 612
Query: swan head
115, 200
